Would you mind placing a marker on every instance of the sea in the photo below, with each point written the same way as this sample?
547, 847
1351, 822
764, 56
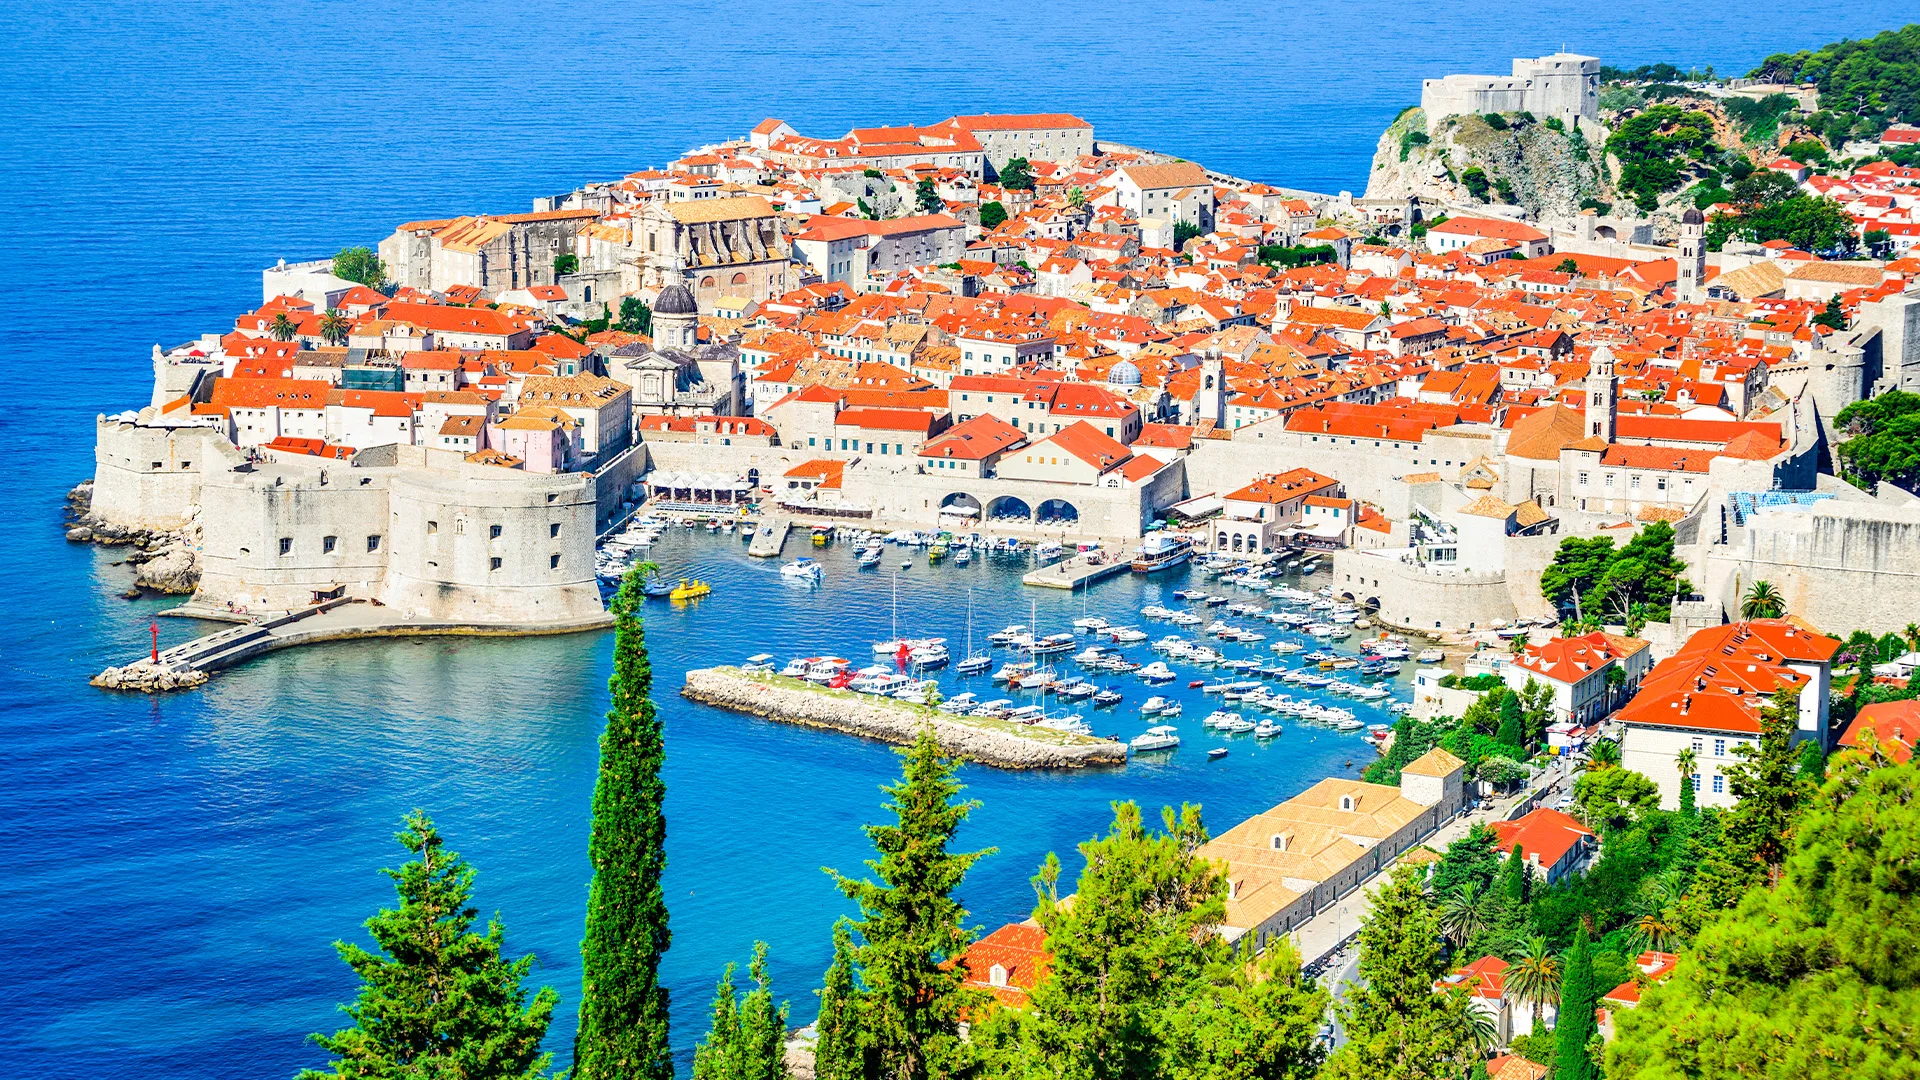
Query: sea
175, 870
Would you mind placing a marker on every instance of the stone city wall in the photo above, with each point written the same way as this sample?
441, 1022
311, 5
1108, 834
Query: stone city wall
1416, 598
1841, 566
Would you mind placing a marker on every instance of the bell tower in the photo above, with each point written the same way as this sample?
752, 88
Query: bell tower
1602, 395
1690, 282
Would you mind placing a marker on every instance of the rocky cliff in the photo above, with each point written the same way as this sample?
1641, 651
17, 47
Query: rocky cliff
163, 562
1548, 173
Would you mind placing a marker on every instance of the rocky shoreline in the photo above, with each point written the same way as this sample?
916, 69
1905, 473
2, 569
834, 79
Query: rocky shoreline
1014, 747
145, 676
166, 563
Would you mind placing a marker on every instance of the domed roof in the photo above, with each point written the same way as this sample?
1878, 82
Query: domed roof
1693, 217
675, 300
1123, 373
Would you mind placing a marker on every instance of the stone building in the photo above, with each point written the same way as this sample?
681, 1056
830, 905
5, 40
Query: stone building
1564, 86
729, 246
490, 252
1295, 860
1034, 136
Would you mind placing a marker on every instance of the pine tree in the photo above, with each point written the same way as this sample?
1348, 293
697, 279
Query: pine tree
1767, 783
1397, 1027
623, 1008
910, 923
1137, 933
438, 999
1512, 722
1579, 996
747, 1039
837, 1054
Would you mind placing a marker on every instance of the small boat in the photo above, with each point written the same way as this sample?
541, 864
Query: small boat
1158, 737
804, 570
962, 557
1216, 753
689, 589
1153, 705
1174, 709
1156, 673
973, 665
758, 664
871, 556
1266, 729
1004, 637
1430, 656
1196, 684
1089, 623
654, 586
1107, 697
931, 655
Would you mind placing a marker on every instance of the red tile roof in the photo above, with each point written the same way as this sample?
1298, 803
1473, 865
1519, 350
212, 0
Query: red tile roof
1544, 835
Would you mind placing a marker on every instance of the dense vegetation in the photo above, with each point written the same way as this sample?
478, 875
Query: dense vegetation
1654, 149
362, 265
1287, 258
1865, 85
1882, 440
1769, 206
1589, 581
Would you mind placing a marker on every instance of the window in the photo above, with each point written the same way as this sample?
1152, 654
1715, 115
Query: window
373, 542
553, 562
1719, 784
286, 545
1719, 748
1583, 479
493, 532
1695, 780
553, 530
494, 563
327, 544
1698, 746
1634, 482
460, 526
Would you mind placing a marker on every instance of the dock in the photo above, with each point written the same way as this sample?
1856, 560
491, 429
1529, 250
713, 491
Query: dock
768, 544
188, 664
1077, 572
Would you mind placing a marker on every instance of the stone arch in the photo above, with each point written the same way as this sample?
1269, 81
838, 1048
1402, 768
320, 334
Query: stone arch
1009, 507
1606, 232
960, 503
1058, 512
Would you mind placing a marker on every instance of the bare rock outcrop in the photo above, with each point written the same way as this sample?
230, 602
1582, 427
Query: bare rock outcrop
1005, 745
148, 677
1548, 173
163, 562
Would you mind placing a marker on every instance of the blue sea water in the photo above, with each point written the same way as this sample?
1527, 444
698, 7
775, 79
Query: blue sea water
172, 870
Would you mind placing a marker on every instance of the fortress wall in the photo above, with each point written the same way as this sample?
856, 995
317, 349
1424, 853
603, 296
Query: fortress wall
148, 477
1841, 568
246, 515
444, 525
1413, 598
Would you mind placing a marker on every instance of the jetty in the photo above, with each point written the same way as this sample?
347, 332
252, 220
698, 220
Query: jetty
1077, 572
187, 665
1001, 743
770, 539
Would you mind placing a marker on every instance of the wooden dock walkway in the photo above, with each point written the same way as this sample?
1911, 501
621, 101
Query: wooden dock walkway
1078, 572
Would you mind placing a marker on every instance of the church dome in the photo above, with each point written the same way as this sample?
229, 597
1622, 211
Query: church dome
1123, 373
1693, 217
675, 300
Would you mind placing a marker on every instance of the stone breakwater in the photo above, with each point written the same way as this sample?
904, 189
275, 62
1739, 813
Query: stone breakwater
145, 676
998, 743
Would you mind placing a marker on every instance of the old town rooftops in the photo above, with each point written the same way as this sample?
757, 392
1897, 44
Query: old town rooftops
1570, 660
977, 439
1283, 487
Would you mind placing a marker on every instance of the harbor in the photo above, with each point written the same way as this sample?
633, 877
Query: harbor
1150, 655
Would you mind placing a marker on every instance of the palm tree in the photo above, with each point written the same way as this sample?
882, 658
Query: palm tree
1763, 601
1483, 1035
1688, 763
1604, 755
1912, 634
1464, 914
333, 327
1535, 977
282, 327
1655, 931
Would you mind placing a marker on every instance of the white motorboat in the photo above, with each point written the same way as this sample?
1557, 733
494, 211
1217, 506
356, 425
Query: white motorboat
803, 570
1018, 669
1266, 729
758, 664
1153, 705
1430, 656
1156, 672
1174, 709
1219, 718
1126, 635
1087, 624
1157, 737
929, 656
1004, 637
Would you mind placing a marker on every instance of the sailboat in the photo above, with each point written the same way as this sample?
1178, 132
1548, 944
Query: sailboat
975, 663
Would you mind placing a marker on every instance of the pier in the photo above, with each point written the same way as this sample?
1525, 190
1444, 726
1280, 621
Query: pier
188, 664
1077, 572
768, 544
1000, 743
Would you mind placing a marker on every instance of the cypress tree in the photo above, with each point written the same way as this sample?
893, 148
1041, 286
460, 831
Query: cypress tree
836, 1054
1515, 880
910, 923
1513, 730
441, 1001
748, 1038
623, 1007
1396, 1025
1579, 996
1688, 809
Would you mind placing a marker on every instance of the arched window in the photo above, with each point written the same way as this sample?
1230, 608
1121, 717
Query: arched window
708, 282
739, 279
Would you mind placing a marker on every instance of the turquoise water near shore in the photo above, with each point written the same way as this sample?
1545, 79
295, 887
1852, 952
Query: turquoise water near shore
176, 867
